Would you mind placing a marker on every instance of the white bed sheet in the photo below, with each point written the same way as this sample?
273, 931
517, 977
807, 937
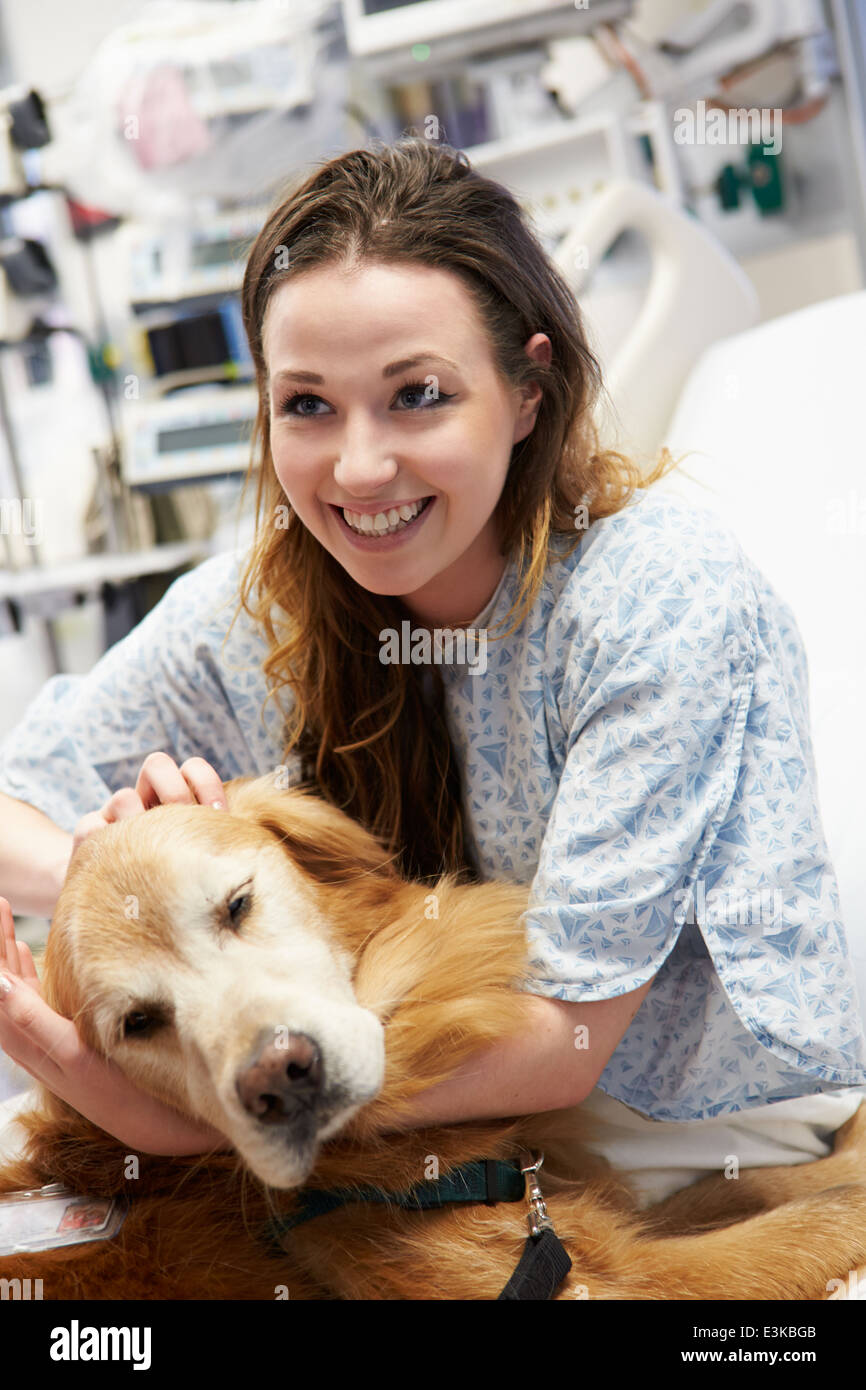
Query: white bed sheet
778, 415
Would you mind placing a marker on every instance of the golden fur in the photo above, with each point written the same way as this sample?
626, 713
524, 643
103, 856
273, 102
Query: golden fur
441, 987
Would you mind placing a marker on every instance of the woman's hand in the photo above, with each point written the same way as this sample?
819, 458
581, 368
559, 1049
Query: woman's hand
49, 1047
160, 782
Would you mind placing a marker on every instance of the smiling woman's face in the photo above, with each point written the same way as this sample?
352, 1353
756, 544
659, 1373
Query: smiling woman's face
396, 401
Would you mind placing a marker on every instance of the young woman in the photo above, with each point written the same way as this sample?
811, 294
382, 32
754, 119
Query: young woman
634, 743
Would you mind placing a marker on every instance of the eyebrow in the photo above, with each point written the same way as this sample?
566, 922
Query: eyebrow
392, 369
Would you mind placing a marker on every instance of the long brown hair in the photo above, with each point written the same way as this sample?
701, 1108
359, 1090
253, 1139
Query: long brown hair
368, 739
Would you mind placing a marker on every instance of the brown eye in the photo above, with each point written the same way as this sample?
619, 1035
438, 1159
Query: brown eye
143, 1023
239, 907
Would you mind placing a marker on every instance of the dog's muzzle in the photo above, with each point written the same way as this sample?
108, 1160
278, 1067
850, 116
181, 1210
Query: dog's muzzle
297, 1086
284, 1082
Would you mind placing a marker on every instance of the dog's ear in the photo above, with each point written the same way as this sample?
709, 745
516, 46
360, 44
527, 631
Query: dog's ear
322, 840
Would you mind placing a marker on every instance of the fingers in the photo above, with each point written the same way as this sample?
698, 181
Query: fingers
28, 966
205, 782
10, 957
161, 781
86, 826
120, 806
39, 1040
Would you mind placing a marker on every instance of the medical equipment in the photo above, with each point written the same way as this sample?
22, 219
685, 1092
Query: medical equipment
850, 20
196, 98
721, 85
202, 253
692, 57
200, 433
189, 341
395, 31
183, 279
759, 176
27, 266
485, 100
23, 126
556, 171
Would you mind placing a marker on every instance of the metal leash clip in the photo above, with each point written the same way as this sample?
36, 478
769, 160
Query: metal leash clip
537, 1217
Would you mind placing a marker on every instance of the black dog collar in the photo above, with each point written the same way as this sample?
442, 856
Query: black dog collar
544, 1262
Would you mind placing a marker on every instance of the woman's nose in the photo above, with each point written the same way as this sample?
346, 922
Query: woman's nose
363, 471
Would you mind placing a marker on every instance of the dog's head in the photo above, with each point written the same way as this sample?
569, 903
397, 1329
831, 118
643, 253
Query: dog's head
211, 956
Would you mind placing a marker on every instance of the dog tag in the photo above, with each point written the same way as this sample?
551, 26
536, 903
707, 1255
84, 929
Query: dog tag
52, 1216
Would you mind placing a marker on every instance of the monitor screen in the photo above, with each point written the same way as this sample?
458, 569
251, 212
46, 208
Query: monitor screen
202, 436
379, 6
219, 252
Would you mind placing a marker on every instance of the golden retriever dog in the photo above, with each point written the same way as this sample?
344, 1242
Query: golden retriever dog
267, 970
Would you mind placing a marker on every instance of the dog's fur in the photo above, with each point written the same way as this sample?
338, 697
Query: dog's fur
398, 985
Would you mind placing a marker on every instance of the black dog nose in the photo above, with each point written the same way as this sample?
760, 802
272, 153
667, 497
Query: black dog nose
285, 1079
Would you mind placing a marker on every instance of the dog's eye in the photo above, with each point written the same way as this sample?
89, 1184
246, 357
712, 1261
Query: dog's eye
140, 1023
239, 907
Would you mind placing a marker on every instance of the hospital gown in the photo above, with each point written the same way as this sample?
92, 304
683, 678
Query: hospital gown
638, 751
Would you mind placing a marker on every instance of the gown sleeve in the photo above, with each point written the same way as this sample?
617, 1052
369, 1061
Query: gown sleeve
160, 688
655, 706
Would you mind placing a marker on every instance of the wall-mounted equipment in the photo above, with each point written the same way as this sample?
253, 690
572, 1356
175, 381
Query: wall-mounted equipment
389, 30
197, 434
189, 341
23, 126
183, 258
555, 171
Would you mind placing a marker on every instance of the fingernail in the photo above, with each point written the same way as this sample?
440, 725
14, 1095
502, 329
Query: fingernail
218, 805
5, 986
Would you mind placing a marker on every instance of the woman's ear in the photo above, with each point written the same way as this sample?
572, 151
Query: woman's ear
540, 349
321, 839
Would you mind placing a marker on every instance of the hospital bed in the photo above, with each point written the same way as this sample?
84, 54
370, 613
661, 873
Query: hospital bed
774, 414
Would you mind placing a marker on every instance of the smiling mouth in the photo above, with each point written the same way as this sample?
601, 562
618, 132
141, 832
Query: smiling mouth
389, 522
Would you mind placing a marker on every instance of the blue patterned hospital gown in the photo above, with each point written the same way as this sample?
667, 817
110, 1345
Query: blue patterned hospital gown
638, 750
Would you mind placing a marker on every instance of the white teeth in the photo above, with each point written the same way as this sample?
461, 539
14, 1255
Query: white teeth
383, 523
